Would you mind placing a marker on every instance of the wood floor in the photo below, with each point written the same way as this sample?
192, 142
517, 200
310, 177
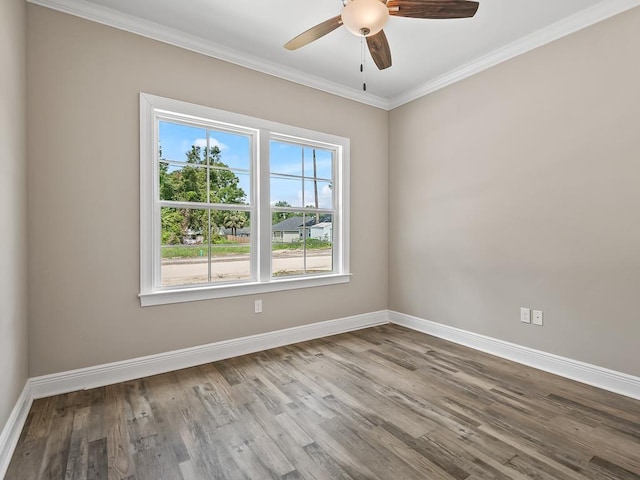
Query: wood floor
381, 403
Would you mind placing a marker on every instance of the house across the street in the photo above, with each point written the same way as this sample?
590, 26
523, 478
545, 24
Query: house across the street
321, 231
291, 229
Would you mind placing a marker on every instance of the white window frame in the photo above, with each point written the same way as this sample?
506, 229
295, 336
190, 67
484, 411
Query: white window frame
152, 108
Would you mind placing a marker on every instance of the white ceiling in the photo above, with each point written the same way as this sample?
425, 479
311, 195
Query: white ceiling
427, 54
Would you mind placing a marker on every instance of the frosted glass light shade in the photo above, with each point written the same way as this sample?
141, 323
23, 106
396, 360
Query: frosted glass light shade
365, 17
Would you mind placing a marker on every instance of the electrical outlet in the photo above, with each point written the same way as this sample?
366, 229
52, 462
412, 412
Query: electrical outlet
258, 306
525, 315
537, 317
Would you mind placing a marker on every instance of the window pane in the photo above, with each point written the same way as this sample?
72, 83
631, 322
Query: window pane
286, 192
301, 244
191, 236
319, 251
285, 158
231, 246
324, 194
323, 163
287, 231
230, 149
179, 142
287, 260
227, 186
230, 261
185, 183
184, 253
184, 265
183, 226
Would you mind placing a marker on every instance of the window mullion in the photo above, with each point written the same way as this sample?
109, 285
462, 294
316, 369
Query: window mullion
263, 175
156, 227
305, 217
208, 193
304, 243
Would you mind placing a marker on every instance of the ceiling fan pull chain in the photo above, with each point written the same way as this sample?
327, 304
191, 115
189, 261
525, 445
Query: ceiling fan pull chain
362, 60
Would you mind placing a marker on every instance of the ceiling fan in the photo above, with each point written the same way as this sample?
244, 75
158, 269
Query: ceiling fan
366, 18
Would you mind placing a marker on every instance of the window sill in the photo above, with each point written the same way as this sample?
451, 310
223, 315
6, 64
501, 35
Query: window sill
193, 294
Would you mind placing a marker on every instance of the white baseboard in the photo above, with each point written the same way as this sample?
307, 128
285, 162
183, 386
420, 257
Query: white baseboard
600, 377
100, 375
11, 432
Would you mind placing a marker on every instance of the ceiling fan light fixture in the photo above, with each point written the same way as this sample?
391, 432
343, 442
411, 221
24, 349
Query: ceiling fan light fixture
365, 17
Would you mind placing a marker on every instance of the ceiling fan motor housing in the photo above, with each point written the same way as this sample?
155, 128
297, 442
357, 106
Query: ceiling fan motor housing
365, 17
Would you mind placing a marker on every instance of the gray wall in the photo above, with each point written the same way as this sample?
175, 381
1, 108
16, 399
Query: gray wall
13, 209
520, 186
83, 86
515, 187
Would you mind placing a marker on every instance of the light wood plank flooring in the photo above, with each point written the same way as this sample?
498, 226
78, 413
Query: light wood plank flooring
380, 403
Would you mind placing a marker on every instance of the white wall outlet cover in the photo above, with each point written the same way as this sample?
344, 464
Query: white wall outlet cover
525, 315
537, 317
258, 306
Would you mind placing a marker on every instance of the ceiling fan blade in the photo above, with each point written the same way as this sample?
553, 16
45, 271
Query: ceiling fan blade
379, 48
314, 33
432, 8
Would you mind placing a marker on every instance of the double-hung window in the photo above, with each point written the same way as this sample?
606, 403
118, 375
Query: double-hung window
234, 205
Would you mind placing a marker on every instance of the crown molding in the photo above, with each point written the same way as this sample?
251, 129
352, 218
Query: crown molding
178, 38
106, 16
555, 31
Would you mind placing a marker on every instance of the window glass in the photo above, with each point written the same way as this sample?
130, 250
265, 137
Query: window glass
211, 228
